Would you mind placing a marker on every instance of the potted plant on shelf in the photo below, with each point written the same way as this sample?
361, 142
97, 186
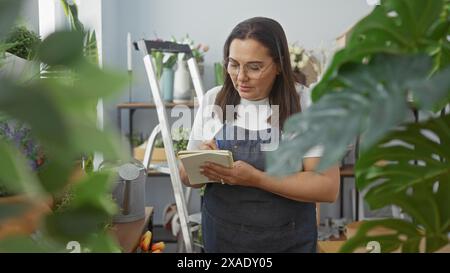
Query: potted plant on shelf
306, 64
20, 49
396, 61
165, 63
183, 87
180, 138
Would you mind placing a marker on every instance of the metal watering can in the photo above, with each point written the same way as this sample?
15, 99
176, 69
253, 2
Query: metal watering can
129, 190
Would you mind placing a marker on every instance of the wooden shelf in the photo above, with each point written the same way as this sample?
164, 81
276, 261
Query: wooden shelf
145, 105
129, 234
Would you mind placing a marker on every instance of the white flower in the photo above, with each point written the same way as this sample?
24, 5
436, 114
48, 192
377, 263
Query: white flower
298, 50
316, 68
293, 59
180, 134
304, 63
305, 58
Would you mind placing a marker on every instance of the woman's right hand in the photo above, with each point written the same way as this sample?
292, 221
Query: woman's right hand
206, 145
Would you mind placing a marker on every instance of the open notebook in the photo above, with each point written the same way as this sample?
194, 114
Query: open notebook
192, 160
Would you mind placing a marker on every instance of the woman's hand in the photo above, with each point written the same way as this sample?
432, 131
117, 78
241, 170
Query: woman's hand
206, 145
185, 178
209, 145
241, 173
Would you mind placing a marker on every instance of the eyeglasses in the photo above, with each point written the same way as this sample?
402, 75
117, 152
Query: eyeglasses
253, 71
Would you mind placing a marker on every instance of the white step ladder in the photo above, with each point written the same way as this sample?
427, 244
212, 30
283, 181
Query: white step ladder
181, 197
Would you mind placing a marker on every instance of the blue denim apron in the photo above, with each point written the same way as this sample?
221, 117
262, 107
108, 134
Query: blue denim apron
249, 220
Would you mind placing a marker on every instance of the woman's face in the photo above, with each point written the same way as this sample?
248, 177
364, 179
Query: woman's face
251, 69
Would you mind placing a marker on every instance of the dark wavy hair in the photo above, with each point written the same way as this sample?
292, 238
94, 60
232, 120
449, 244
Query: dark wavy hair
269, 33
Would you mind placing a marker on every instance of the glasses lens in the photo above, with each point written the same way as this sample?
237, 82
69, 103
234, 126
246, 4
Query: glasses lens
252, 70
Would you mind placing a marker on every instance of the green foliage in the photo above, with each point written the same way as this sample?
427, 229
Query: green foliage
395, 27
73, 48
402, 235
413, 165
180, 139
159, 143
163, 60
62, 117
396, 60
219, 73
90, 49
23, 42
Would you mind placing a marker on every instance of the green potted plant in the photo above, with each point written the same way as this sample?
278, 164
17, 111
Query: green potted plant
396, 62
20, 49
180, 139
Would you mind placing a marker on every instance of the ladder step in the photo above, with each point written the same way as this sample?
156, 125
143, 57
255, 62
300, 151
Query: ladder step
196, 218
162, 168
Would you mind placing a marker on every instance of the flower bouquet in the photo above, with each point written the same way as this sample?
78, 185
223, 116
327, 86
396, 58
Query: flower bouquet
198, 51
307, 66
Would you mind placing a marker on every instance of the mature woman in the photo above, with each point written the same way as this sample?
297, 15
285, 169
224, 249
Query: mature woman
251, 211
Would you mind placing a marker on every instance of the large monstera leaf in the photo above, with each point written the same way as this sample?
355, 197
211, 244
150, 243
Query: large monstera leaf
369, 98
396, 27
409, 168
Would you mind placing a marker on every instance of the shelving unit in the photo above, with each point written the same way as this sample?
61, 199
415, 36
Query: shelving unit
132, 107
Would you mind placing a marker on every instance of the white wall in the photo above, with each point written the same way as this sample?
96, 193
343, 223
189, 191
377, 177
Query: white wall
30, 15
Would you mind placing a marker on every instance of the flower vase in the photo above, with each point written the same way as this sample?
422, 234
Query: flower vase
201, 71
167, 80
182, 82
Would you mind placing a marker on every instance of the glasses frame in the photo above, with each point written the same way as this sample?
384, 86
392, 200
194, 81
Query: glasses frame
263, 69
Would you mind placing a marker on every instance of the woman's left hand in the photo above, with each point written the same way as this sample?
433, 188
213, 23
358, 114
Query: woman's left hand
241, 173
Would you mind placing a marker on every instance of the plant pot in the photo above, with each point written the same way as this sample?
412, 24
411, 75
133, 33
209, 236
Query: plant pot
27, 222
18, 68
159, 155
182, 86
167, 79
